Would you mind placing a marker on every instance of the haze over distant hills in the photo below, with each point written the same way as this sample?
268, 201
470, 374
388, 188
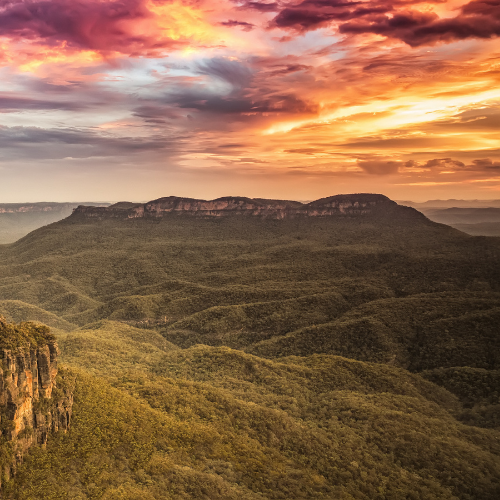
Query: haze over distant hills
474, 217
451, 203
18, 219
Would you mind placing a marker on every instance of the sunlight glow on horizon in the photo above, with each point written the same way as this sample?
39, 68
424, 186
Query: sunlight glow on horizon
181, 87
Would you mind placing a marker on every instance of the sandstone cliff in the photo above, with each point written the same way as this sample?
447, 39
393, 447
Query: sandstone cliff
34, 400
352, 205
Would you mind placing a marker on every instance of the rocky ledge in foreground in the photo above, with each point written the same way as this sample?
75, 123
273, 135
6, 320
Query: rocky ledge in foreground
339, 205
34, 400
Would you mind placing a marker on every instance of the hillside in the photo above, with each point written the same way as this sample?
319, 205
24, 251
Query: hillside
265, 349
480, 228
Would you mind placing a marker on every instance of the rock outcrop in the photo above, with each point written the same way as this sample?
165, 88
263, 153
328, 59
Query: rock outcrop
340, 205
34, 400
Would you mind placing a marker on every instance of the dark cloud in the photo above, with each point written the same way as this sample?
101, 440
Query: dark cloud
477, 19
305, 151
230, 71
386, 167
396, 142
380, 167
290, 68
38, 143
245, 96
443, 162
156, 115
241, 105
12, 104
486, 164
484, 118
231, 23
260, 6
302, 19
478, 165
90, 24
47, 87
313, 14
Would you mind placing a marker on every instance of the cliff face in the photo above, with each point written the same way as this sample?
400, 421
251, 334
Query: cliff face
340, 205
32, 406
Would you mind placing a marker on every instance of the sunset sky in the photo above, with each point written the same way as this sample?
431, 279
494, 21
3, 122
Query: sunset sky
136, 99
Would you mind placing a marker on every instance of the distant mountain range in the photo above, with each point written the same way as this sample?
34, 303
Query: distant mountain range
15, 208
475, 217
452, 203
476, 220
19, 219
361, 204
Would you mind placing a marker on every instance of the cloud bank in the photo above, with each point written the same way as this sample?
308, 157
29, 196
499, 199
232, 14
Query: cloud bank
314, 96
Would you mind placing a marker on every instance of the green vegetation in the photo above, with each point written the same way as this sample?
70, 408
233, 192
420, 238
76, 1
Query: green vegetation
24, 334
110, 347
418, 332
243, 358
477, 389
219, 423
16, 310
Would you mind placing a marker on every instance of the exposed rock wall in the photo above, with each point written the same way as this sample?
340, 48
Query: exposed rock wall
31, 405
340, 205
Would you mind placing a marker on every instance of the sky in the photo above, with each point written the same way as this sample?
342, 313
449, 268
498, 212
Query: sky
111, 100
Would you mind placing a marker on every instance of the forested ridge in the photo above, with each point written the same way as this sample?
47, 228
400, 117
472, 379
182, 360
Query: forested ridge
353, 357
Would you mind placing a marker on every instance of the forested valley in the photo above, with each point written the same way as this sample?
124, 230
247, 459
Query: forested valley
234, 357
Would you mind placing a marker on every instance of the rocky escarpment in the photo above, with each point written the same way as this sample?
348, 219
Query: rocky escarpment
35, 400
339, 205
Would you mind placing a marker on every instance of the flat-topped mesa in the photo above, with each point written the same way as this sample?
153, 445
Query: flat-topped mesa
32, 405
227, 205
349, 205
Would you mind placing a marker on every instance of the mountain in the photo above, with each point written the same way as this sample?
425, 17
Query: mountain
242, 348
339, 205
18, 219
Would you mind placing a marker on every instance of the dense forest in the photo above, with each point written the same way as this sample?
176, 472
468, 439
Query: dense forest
243, 357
